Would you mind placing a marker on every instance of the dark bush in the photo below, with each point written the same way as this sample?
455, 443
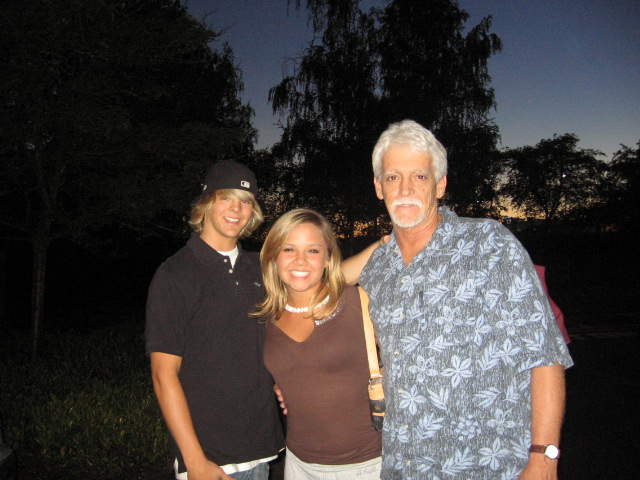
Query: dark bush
85, 408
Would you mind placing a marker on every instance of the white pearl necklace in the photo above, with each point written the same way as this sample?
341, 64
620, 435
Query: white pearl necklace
291, 309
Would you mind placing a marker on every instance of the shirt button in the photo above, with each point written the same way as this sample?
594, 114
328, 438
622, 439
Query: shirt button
226, 260
237, 283
231, 270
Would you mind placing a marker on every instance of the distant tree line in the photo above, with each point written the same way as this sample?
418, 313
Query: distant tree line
111, 110
561, 183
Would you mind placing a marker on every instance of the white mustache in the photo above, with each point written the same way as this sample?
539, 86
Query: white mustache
406, 201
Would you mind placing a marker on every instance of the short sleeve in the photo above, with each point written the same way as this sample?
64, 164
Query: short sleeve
166, 316
522, 310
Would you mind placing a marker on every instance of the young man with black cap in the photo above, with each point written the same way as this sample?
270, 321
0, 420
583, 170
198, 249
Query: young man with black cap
206, 351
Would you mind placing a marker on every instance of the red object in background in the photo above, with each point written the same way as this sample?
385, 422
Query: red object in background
556, 310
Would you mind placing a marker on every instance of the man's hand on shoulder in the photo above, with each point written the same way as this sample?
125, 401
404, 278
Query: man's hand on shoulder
352, 266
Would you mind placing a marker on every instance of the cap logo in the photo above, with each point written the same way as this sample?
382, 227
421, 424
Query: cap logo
245, 184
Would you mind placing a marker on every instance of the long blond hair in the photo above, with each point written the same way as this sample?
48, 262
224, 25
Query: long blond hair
332, 281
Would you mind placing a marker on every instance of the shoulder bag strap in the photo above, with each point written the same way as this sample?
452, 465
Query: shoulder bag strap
369, 335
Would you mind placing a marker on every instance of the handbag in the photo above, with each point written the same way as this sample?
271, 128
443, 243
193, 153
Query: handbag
376, 394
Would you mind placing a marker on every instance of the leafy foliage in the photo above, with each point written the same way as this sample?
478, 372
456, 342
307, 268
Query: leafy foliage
623, 189
553, 177
437, 74
111, 107
88, 406
109, 113
329, 100
365, 70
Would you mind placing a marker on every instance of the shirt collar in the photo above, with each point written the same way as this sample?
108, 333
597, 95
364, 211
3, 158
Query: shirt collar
207, 254
439, 237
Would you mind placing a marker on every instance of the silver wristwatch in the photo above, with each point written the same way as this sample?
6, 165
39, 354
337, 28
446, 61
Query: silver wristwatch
550, 451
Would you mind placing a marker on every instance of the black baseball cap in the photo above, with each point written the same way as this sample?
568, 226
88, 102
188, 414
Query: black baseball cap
229, 174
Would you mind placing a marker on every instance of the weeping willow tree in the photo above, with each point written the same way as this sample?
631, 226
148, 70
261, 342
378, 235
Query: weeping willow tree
364, 70
328, 100
434, 69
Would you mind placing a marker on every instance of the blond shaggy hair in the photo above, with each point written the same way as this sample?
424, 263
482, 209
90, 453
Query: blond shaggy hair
203, 204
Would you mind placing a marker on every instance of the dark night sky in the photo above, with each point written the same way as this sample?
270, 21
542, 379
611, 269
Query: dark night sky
566, 66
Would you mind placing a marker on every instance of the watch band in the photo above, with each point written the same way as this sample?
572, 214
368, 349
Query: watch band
550, 451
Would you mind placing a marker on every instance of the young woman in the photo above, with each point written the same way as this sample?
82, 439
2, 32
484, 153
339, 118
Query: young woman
316, 353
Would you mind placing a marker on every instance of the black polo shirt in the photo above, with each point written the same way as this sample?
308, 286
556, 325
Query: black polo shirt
198, 308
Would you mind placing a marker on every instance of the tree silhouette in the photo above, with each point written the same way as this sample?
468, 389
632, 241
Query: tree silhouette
622, 192
330, 102
554, 178
434, 73
109, 112
365, 70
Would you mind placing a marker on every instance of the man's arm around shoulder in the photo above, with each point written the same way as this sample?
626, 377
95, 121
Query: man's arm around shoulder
175, 410
352, 266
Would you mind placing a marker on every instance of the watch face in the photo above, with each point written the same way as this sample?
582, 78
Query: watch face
552, 452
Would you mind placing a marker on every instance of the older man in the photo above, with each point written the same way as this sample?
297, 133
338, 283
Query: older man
474, 359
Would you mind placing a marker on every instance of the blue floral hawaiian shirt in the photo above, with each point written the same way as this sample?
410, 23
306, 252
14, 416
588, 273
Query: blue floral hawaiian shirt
460, 329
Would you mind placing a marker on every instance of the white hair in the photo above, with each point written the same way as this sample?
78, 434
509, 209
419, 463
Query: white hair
413, 135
